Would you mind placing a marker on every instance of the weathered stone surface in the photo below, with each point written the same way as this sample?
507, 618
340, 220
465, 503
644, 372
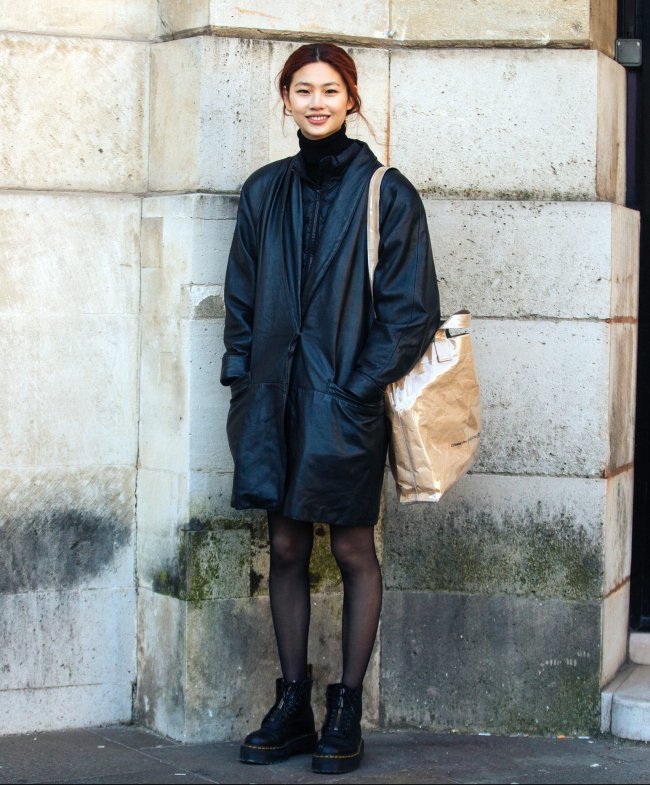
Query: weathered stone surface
535, 259
544, 394
63, 529
365, 19
490, 534
490, 663
82, 127
162, 663
228, 700
522, 22
509, 124
210, 493
75, 377
537, 23
622, 393
188, 235
116, 19
216, 115
614, 621
68, 658
209, 402
209, 686
212, 562
625, 262
54, 709
617, 543
162, 510
64, 253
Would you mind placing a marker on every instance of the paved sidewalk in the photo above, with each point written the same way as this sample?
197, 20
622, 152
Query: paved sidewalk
129, 754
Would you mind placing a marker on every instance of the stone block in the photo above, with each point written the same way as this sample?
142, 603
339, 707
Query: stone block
535, 536
68, 658
494, 23
209, 113
508, 124
75, 377
216, 115
622, 393
630, 711
571, 260
640, 648
83, 126
118, 19
162, 510
210, 493
209, 400
544, 394
64, 253
490, 663
212, 561
76, 706
164, 394
190, 237
66, 528
614, 626
367, 19
231, 682
162, 664
617, 542
625, 262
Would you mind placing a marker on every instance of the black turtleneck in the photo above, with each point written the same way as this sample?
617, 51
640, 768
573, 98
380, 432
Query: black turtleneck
315, 151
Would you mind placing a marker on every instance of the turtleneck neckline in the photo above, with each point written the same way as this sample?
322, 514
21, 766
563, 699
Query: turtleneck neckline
315, 150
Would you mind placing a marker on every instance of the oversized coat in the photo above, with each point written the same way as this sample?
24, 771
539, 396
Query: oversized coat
308, 361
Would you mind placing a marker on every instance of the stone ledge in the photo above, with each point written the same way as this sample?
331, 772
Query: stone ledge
626, 704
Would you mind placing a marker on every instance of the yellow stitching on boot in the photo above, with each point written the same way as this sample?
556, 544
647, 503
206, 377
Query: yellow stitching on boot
253, 747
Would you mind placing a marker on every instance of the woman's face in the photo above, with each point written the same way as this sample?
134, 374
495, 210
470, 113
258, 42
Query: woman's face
318, 100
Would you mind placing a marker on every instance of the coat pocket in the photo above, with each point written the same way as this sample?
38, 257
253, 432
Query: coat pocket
343, 395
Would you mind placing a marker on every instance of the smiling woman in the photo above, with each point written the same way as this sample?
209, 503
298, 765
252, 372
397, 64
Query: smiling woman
308, 357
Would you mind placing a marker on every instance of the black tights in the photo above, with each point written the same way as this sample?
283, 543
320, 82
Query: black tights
354, 550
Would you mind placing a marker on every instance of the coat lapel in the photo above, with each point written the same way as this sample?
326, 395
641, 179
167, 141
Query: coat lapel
283, 236
354, 187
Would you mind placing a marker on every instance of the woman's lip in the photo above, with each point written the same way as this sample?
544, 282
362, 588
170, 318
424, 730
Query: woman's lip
318, 119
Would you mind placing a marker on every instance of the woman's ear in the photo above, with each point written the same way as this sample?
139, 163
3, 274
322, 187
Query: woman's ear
285, 99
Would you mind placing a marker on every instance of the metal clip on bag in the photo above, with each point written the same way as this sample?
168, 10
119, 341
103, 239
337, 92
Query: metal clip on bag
435, 410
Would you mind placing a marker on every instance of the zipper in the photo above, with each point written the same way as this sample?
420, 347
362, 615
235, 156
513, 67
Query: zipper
312, 237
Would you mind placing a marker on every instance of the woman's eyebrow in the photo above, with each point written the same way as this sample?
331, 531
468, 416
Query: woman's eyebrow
310, 84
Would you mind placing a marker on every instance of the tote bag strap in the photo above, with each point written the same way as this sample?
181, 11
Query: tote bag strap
373, 221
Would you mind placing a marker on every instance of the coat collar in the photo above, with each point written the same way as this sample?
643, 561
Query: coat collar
354, 187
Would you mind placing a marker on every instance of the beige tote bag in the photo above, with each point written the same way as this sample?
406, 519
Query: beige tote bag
435, 410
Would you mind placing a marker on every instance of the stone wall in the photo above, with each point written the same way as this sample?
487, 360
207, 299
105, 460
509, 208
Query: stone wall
127, 132
73, 151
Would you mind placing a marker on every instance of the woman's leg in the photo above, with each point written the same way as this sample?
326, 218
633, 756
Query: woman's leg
291, 544
354, 550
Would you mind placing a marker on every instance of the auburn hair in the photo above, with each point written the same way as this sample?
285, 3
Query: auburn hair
331, 54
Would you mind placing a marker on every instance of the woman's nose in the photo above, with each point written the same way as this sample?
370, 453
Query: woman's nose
316, 100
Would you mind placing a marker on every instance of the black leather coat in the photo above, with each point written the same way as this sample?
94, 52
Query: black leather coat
308, 361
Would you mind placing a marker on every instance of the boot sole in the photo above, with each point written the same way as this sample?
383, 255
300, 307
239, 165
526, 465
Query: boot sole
265, 755
337, 764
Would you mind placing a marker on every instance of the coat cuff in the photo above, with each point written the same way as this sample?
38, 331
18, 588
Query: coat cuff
363, 387
232, 367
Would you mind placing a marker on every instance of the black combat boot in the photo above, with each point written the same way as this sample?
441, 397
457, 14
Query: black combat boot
340, 748
288, 728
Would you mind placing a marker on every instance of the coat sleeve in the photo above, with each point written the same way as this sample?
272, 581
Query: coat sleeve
239, 293
406, 301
